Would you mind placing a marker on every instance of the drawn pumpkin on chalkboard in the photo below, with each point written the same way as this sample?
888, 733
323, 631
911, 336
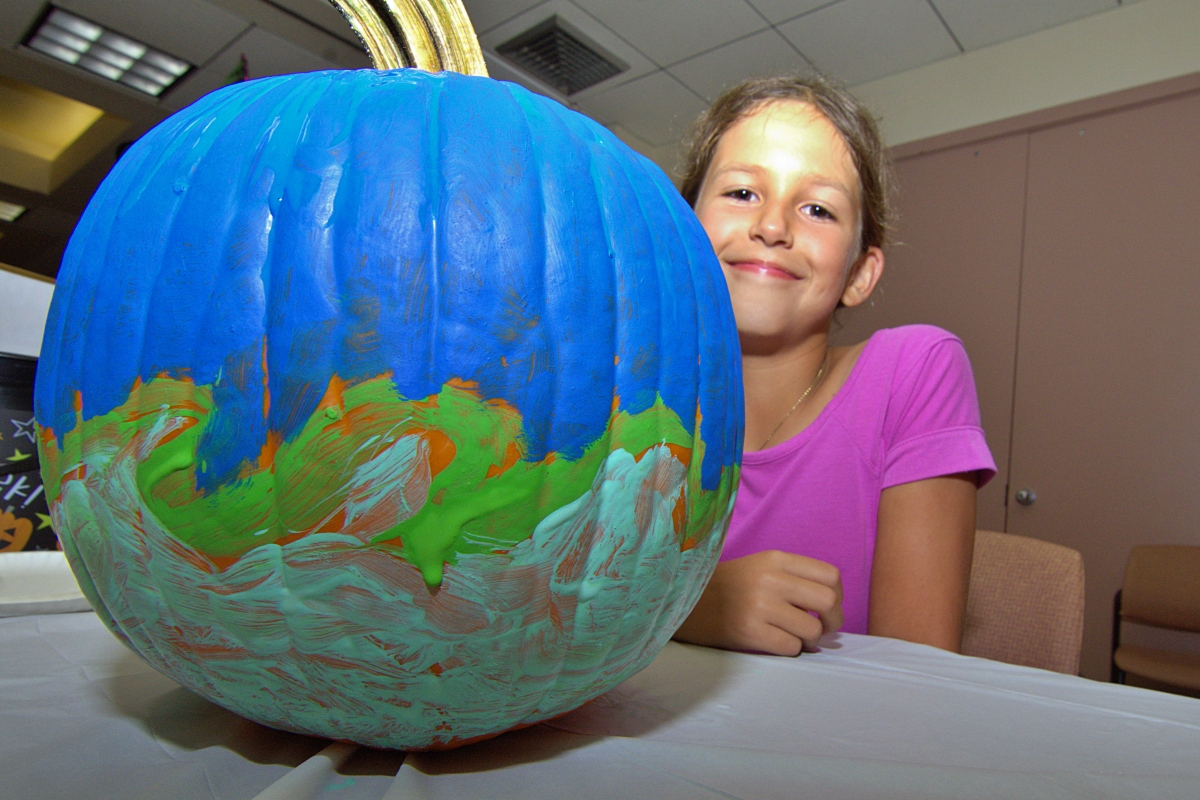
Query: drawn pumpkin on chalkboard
14, 531
389, 406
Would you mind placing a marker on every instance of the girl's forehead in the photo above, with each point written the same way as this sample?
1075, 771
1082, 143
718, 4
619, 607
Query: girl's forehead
783, 130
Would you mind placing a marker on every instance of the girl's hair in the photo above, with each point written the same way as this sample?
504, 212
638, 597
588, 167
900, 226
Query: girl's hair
843, 111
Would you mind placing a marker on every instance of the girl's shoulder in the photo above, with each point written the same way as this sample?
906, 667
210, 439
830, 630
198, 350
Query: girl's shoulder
909, 342
898, 365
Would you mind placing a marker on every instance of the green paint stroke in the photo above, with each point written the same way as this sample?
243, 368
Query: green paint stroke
432, 479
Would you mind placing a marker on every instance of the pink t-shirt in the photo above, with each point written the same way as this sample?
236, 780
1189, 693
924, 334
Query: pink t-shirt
907, 412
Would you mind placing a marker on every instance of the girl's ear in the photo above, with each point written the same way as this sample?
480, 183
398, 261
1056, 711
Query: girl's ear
864, 274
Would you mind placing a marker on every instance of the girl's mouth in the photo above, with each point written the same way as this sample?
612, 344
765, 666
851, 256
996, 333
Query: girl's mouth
764, 268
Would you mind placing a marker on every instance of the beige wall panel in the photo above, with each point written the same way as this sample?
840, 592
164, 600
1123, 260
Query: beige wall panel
958, 266
1107, 412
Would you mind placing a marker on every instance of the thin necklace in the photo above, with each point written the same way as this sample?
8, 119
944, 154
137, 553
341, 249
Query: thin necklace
816, 380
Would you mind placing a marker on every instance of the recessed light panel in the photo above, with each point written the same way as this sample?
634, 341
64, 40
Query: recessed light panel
107, 53
10, 211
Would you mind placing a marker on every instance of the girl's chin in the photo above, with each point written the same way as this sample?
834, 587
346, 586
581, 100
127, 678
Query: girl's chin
764, 319
761, 333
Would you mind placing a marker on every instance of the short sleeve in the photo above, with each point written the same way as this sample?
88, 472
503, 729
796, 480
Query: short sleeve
932, 425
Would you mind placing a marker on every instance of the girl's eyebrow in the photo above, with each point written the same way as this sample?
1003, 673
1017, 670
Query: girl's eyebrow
756, 169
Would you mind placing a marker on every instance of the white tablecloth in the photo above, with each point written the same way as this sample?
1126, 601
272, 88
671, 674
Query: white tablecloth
82, 717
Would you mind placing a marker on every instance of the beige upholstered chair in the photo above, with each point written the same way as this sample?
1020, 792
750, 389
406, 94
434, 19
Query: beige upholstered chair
1161, 588
1025, 603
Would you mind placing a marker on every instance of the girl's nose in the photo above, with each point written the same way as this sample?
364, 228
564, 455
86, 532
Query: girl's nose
771, 226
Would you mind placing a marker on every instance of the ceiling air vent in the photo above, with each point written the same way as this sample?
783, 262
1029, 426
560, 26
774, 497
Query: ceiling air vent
560, 57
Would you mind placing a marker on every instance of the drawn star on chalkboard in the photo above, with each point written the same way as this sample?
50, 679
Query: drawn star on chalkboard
19, 456
43, 521
24, 429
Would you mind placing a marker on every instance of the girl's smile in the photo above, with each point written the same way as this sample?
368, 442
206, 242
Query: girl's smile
766, 269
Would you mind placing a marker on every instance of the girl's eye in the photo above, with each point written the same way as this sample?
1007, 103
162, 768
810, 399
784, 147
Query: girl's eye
740, 194
818, 211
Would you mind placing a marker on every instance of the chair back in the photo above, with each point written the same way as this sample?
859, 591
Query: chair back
1162, 586
1025, 603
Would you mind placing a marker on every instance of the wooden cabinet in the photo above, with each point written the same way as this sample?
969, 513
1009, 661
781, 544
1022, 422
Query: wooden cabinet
1066, 254
957, 265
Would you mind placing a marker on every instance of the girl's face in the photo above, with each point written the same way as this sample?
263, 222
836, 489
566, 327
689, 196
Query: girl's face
780, 203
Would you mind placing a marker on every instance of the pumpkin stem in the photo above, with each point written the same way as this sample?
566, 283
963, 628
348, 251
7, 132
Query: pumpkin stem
433, 35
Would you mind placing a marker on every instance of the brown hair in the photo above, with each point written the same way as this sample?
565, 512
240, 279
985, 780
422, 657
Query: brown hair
843, 111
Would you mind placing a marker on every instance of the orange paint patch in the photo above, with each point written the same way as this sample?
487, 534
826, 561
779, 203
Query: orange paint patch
183, 405
291, 537
266, 456
333, 397
429, 402
466, 386
550, 458
77, 474
438, 496
616, 359
684, 454
511, 456
503, 361
78, 402
187, 422
680, 452
616, 404
441, 450
334, 523
265, 383
679, 513
502, 404
436, 669
223, 563
688, 544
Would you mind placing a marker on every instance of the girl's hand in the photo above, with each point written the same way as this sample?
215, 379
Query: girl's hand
762, 602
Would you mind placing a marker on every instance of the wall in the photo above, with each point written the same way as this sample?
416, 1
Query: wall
26, 304
1135, 44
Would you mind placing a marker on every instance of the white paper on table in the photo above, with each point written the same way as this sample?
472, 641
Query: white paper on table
38, 582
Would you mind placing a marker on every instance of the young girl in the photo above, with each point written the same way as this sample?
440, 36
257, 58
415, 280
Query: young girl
861, 463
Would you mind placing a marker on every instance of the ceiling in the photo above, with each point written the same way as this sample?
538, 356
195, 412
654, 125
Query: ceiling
680, 54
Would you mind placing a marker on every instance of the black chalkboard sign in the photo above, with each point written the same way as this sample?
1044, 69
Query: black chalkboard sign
24, 514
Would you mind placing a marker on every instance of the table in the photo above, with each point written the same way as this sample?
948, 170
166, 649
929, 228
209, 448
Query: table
81, 716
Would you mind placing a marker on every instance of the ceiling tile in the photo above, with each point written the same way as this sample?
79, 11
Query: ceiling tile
857, 41
977, 24
758, 55
16, 18
266, 54
487, 14
584, 23
324, 15
656, 108
780, 10
667, 31
190, 29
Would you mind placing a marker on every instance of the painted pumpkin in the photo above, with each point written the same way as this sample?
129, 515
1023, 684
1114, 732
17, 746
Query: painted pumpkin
391, 407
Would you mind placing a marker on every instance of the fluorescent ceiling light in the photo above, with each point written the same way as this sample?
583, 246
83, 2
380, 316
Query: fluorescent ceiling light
10, 211
83, 43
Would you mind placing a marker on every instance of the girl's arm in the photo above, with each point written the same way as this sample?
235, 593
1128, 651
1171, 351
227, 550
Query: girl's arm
762, 602
922, 561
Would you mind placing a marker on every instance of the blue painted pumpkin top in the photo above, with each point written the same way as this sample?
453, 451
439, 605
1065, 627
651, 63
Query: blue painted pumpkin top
436, 227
